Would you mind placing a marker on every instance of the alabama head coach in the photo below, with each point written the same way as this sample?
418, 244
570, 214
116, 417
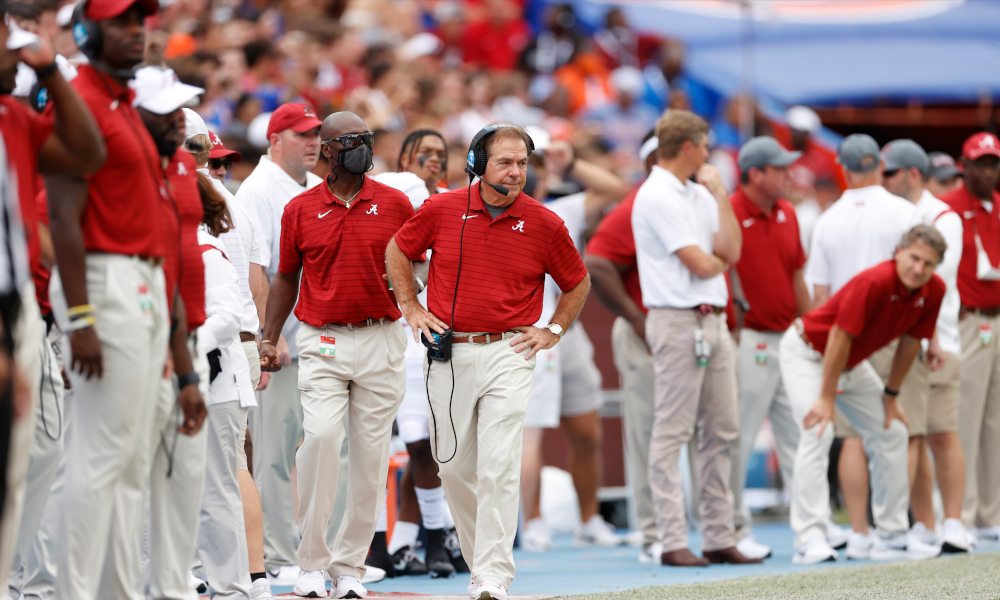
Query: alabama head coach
492, 246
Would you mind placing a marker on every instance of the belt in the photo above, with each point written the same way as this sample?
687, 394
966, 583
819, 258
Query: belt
359, 324
704, 310
985, 312
246, 336
484, 338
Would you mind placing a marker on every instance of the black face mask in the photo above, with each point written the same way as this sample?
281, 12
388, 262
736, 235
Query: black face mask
357, 160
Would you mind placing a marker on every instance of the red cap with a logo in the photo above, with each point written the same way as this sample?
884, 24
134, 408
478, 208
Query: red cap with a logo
981, 144
98, 10
294, 116
219, 150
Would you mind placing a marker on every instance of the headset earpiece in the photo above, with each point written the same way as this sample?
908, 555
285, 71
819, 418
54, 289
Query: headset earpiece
86, 33
476, 161
38, 97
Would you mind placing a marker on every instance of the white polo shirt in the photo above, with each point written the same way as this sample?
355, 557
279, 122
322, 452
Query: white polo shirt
859, 231
243, 248
266, 191
939, 215
572, 209
668, 215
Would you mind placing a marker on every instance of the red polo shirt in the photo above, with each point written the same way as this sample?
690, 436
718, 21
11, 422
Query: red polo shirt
25, 132
772, 253
613, 241
39, 274
183, 265
875, 308
341, 252
504, 260
974, 292
122, 215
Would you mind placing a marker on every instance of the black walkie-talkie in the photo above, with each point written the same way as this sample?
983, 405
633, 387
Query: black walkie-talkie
440, 348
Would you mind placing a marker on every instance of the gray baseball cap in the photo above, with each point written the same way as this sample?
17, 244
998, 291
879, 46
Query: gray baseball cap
764, 151
943, 166
859, 153
903, 154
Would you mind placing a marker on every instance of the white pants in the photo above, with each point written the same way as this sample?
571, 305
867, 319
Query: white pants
412, 416
482, 481
102, 504
762, 394
861, 402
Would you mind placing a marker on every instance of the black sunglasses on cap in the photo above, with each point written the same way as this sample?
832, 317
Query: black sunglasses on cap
353, 140
215, 163
891, 173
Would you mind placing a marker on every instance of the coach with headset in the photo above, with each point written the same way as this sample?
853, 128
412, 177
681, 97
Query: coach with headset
492, 247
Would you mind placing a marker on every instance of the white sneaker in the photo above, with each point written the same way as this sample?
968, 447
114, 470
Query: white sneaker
261, 590
490, 589
373, 574
921, 544
350, 587
888, 549
814, 551
537, 537
311, 584
653, 554
837, 536
750, 548
286, 575
197, 585
920, 532
473, 586
988, 534
859, 545
597, 532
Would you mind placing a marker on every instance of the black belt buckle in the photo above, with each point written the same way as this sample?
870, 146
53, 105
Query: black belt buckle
440, 348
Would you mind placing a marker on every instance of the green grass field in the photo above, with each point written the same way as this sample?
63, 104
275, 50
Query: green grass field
974, 577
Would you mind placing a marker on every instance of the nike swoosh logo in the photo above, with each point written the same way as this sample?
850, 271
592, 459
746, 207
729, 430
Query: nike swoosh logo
748, 222
469, 217
326, 213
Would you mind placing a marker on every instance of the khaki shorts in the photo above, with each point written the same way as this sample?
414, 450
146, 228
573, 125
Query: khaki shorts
914, 394
946, 389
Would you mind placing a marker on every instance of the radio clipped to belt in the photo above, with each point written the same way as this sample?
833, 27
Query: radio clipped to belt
702, 349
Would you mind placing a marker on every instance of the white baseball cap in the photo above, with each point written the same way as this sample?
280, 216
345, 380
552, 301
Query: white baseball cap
539, 137
803, 118
160, 91
194, 124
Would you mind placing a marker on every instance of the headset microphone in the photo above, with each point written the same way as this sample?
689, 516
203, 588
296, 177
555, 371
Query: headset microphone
499, 188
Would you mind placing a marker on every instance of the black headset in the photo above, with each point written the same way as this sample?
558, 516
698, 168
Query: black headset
38, 97
475, 164
86, 32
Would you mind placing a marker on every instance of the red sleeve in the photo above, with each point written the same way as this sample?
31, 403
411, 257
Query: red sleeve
291, 259
417, 234
564, 263
42, 207
856, 305
613, 239
40, 127
924, 328
800, 256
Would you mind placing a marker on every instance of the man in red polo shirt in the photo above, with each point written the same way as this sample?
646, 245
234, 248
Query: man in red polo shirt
978, 203
350, 345
770, 272
110, 297
505, 242
823, 364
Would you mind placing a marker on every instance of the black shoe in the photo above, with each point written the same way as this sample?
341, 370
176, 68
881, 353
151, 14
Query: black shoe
378, 556
454, 548
407, 562
437, 558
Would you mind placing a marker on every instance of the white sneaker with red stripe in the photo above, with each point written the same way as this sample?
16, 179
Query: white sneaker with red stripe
488, 590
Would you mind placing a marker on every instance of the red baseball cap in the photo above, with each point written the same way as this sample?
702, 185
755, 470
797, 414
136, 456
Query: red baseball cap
981, 144
294, 116
98, 10
219, 150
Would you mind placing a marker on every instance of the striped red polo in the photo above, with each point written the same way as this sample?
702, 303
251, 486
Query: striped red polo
183, 264
504, 260
341, 252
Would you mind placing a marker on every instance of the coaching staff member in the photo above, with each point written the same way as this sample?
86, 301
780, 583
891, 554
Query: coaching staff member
350, 345
509, 243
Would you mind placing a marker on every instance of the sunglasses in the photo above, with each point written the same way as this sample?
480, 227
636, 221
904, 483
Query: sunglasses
353, 140
888, 174
220, 162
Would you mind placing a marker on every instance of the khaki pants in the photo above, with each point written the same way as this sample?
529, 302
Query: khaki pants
979, 421
763, 394
914, 393
365, 380
686, 395
635, 367
482, 481
176, 483
861, 403
107, 474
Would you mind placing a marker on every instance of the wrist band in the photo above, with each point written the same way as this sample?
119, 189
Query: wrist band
47, 71
81, 323
889, 392
262, 342
187, 379
83, 309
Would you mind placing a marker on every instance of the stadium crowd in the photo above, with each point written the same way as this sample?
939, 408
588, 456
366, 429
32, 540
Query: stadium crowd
246, 244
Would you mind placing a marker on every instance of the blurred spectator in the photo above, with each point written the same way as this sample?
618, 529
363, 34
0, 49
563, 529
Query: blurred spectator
263, 77
624, 122
496, 39
618, 46
944, 175
555, 46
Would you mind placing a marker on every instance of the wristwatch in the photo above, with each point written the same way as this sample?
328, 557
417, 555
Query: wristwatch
556, 328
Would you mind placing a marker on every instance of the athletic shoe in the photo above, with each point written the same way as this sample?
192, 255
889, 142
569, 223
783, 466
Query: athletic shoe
286, 575
261, 590
859, 545
490, 589
436, 556
921, 544
597, 532
750, 548
454, 548
379, 558
837, 536
373, 575
198, 585
536, 536
651, 554
311, 584
406, 562
473, 586
349, 587
988, 534
814, 551
889, 549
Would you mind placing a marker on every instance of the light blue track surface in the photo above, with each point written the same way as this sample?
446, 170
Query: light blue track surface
569, 570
